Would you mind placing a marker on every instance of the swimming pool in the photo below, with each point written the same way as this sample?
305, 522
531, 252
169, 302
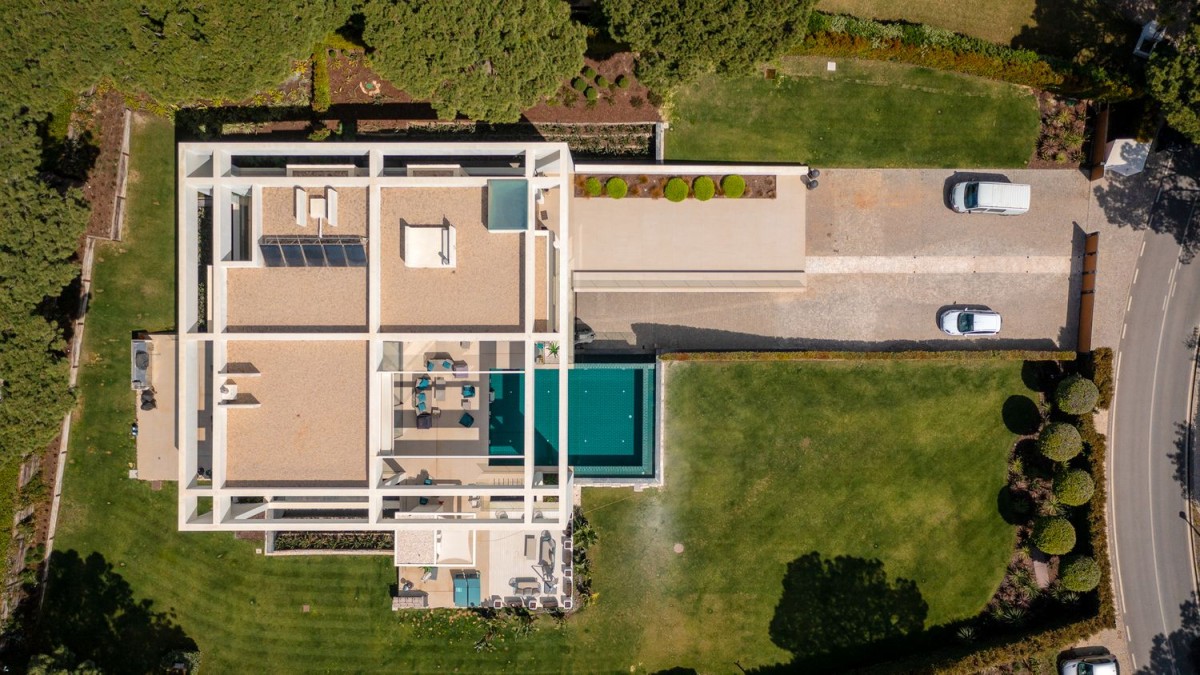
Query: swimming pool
611, 417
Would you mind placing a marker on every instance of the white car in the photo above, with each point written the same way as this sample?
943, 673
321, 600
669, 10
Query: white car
1091, 665
969, 322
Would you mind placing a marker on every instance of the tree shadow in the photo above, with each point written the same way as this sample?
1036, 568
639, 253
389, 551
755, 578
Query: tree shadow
1161, 199
843, 609
1181, 456
1177, 652
1021, 415
90, 611
1086, 32
1041, 376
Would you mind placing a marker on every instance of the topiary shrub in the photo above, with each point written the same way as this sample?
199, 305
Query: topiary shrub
589, 72
1054, 536
602, 82
616, 187
733, 186
704, 188
592, 187
1076, 395
591, 94
622, 82
1060, 442
1079, 573
1074, 487
677, 190
579, 84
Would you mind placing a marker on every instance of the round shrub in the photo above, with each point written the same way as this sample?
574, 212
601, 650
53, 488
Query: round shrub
1076, 395
622, 82
591, 94
1074, 487
704, 188
1054, 536
579, 84
593, 187
677, 190
602, 81
589, 72
733, 186
1060, 442
1079, 573
616, 187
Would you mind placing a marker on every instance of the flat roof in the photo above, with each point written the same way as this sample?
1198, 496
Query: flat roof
311, 424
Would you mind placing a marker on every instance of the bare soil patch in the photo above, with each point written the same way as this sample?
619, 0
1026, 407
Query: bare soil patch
104, 120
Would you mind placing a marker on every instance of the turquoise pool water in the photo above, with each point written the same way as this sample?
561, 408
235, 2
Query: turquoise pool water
611, 417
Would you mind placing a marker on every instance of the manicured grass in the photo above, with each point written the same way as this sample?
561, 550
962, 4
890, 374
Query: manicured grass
899, 462
998, 21
866, 114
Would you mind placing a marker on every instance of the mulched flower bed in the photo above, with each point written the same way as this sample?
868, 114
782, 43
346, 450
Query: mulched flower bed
652, 186
613, 104
105, 120
1063, 135
351, 80
333, 541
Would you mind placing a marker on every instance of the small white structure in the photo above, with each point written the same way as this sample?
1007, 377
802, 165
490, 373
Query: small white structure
426, 246
1126, 157
1151, 35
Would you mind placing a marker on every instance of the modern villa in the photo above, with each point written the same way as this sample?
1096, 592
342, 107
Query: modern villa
380, 338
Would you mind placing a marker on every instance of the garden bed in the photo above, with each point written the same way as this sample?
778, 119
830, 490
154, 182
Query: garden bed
1063, 133
333, 541
643, 186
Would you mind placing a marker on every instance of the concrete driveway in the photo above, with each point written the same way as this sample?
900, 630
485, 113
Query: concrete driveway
884, 256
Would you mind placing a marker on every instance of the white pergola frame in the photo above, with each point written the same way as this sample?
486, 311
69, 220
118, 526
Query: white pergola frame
209, 168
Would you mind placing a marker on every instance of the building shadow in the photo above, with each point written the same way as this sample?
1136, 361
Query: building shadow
651, 336
90, 612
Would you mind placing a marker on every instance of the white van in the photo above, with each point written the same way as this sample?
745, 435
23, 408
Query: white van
1006, 199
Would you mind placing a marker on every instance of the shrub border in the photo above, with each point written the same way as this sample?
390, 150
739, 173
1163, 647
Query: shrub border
988, 355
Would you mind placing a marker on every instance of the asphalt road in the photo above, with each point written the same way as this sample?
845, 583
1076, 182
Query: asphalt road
1154, 375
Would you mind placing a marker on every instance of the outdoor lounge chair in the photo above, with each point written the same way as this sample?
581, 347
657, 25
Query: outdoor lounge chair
468, 390
467, 420
424, 421
459, 368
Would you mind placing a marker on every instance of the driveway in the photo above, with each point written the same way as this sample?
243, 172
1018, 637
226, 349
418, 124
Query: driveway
884, 254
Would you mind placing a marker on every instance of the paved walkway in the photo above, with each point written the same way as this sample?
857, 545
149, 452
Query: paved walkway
914, 264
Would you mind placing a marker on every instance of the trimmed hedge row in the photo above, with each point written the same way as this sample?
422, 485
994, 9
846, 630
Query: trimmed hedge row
333, 541
918, 44
990, 355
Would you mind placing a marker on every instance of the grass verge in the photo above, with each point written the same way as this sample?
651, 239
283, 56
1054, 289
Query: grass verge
864, 114
999, 22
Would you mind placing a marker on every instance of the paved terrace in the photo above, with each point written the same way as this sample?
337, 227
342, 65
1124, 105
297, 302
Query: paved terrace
311, 426
485, 289
267, 298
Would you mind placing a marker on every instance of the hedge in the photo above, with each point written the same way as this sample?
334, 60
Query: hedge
733, 186
704, 188
333, 541
989, 355
322, 98
1098, 366
616, 187
1059, 441
677, 190
1076, 395
918, 44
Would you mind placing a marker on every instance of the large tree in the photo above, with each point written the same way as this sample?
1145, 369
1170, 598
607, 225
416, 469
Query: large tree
485, 60
679, 39
1174, 79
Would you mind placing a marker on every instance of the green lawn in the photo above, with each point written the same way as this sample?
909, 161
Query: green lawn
998, 21
775, 462
866, 114
899, 462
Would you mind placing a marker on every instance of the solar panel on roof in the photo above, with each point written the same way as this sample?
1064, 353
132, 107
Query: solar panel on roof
314, 254
293, 255
335, 255
356, 255
271, 255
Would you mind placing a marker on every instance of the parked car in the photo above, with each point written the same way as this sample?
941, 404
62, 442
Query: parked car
1105, 664
1006, 199
969, 322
